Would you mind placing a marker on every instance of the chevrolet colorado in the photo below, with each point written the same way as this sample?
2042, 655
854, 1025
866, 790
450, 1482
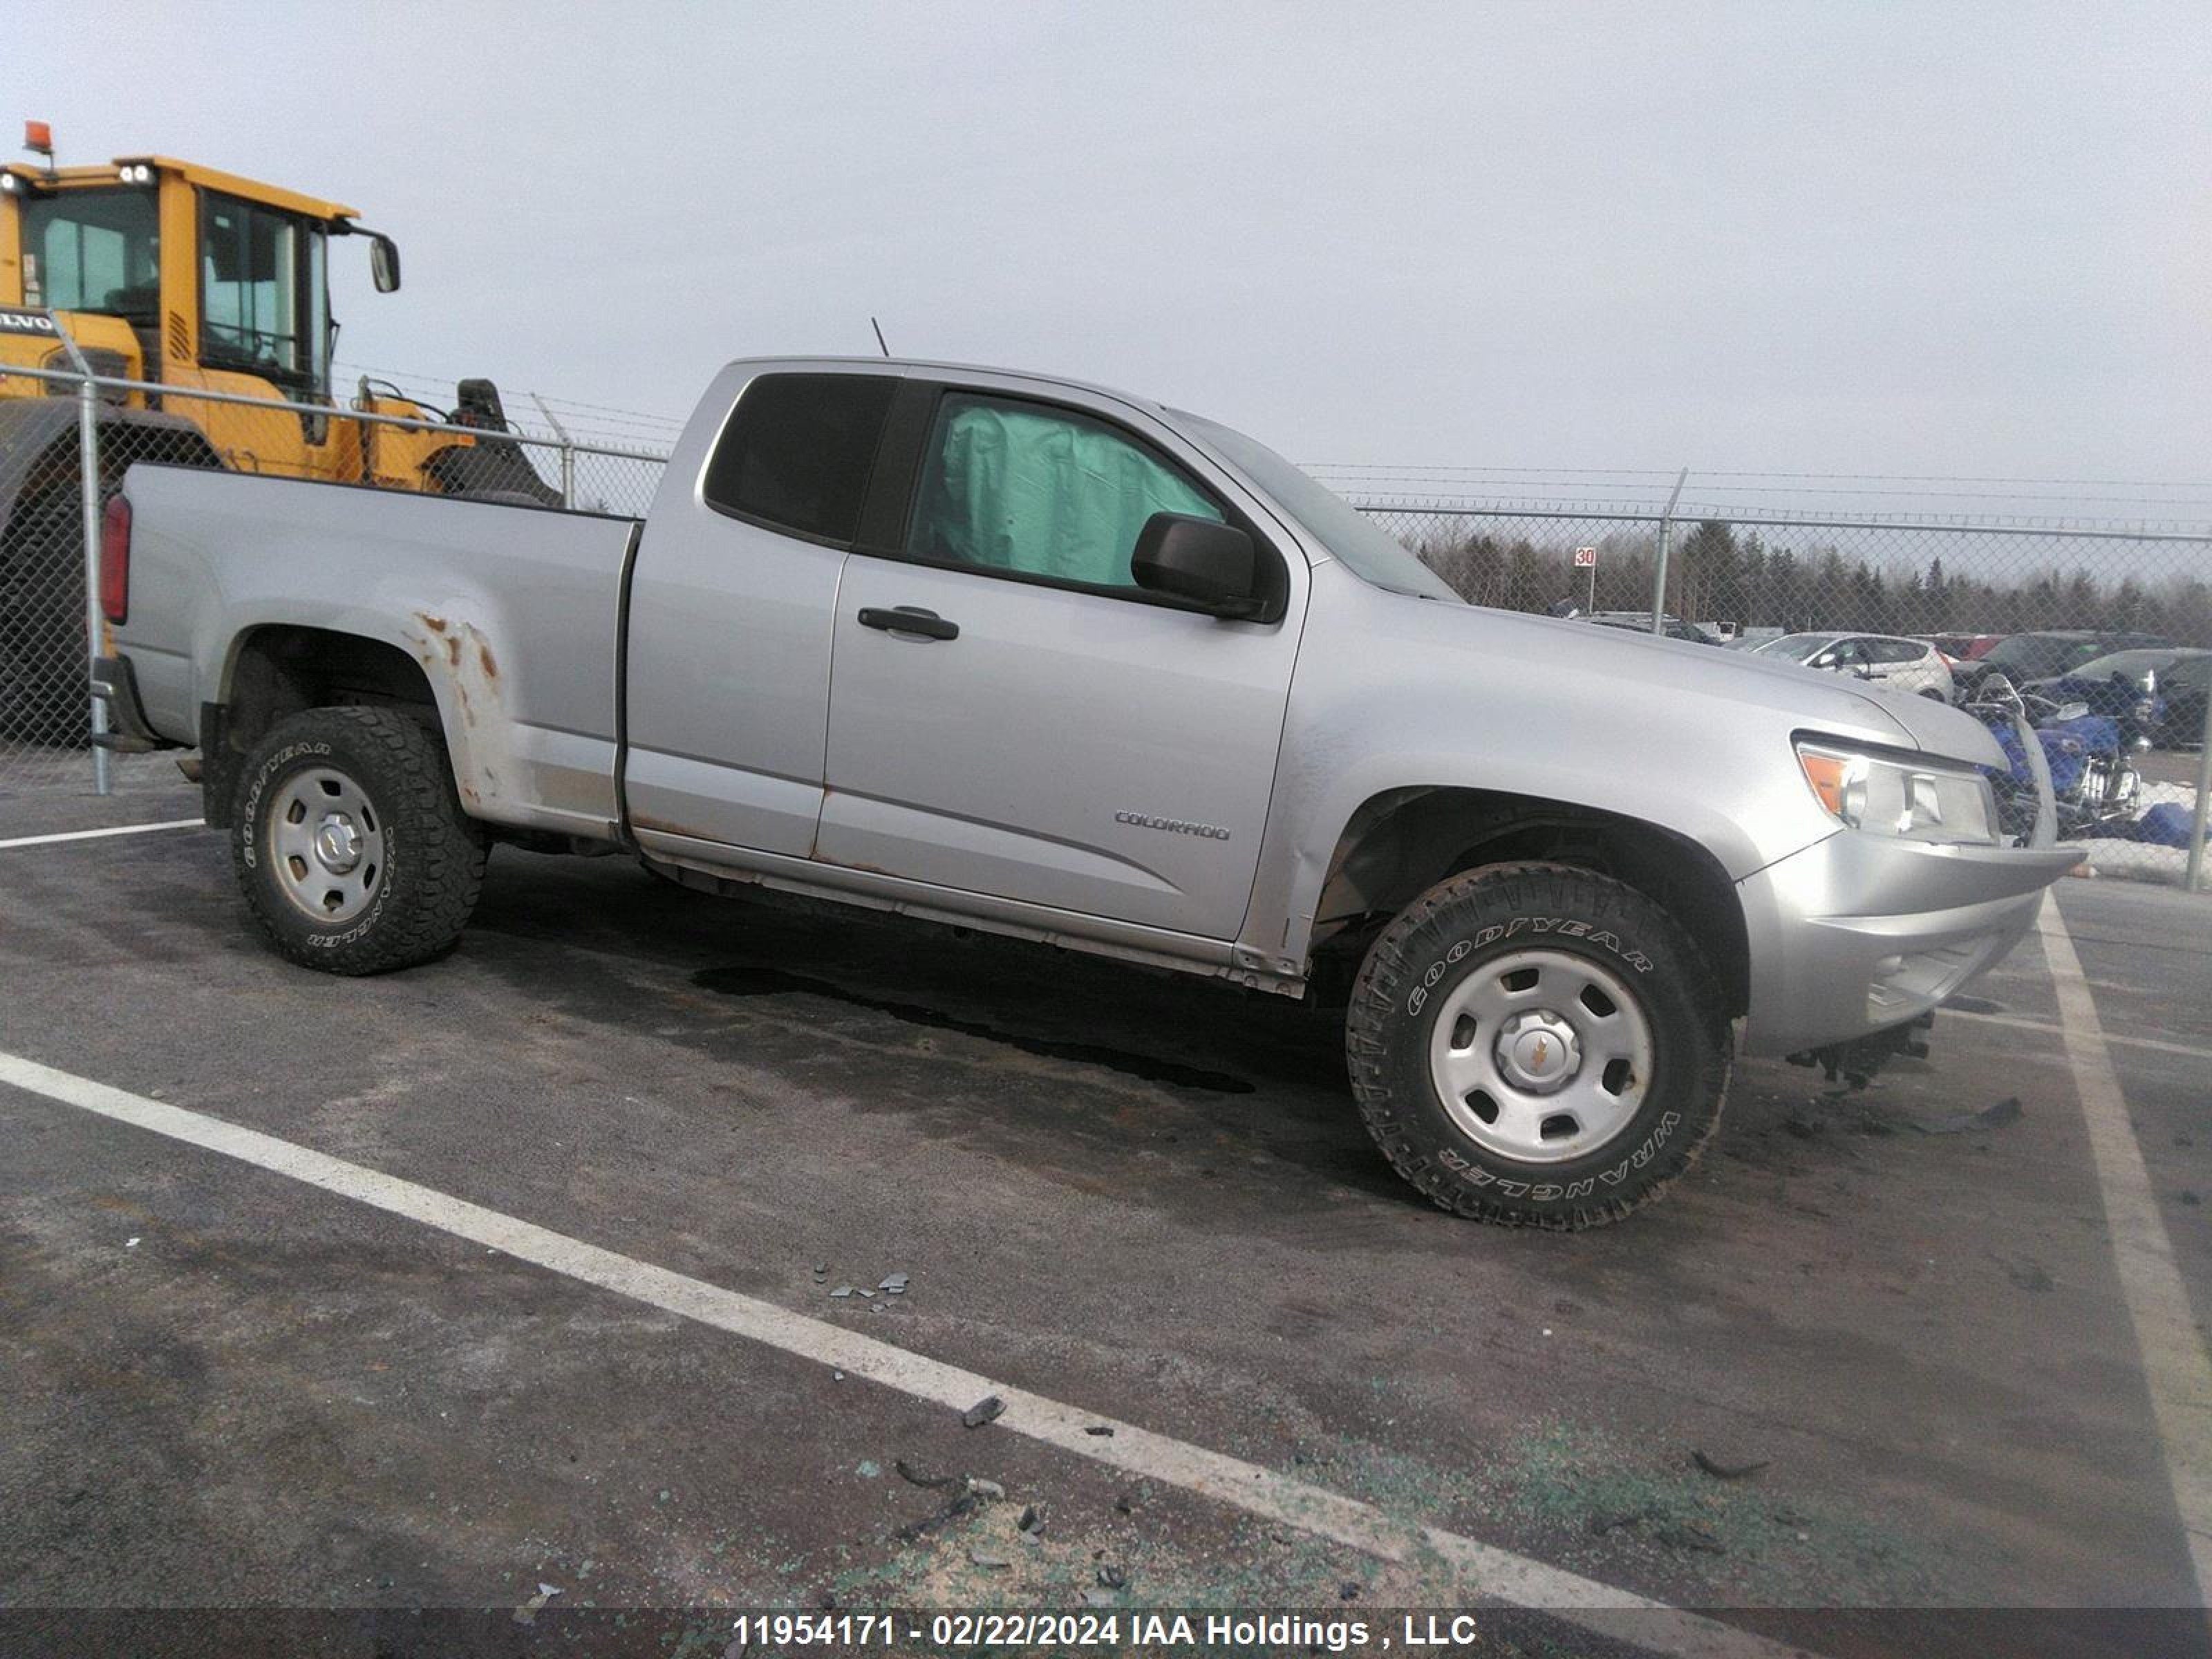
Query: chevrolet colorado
1023, 655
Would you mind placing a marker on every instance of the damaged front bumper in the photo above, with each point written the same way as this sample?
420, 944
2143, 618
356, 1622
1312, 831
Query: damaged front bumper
1858, 933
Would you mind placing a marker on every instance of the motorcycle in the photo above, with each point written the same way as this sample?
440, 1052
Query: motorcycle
2088, 759
2132, 700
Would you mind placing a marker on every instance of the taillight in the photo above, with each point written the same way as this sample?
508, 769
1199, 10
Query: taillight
115, 561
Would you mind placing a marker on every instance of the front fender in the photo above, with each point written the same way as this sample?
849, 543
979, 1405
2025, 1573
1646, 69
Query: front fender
1391, 694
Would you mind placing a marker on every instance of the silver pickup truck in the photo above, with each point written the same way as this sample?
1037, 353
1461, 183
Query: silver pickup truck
1005, 651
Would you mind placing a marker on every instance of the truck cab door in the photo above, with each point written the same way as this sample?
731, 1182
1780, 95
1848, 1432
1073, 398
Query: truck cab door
1011, 715
731, 605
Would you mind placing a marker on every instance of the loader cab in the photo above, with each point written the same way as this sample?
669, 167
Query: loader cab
190, 281
219, 281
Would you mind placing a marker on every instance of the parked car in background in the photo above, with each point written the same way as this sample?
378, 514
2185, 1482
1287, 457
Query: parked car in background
2158, 691
1962, 647
1639, 622
1888, 659
2045, 655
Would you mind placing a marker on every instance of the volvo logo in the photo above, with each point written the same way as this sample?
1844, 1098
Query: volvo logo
25, 322
1176, 826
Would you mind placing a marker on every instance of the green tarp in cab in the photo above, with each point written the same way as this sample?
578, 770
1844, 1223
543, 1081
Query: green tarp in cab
1040, 491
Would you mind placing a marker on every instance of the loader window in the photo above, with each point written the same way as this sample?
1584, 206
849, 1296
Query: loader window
254, 314
92, 250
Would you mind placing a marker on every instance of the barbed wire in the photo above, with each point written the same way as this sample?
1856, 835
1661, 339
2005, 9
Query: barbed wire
1622, 492
605, 415
1642, 511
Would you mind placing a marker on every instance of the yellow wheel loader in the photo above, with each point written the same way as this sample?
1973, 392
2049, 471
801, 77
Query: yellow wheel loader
184, 281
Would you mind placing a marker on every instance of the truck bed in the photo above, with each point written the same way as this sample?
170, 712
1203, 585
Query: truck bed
511, 611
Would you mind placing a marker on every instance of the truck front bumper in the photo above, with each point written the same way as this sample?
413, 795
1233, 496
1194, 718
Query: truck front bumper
1859, 932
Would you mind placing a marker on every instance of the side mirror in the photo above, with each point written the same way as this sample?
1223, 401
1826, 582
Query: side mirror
1825, 660
1202, 560
383, 264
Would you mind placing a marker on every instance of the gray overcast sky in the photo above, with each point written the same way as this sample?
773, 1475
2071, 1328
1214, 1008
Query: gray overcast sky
1863, 237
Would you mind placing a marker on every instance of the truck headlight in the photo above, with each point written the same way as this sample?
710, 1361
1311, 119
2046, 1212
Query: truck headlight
1917, 800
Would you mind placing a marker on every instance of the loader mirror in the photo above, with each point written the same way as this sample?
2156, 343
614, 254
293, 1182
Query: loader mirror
383, 264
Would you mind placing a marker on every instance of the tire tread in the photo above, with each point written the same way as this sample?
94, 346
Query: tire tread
1535, 885
444, 851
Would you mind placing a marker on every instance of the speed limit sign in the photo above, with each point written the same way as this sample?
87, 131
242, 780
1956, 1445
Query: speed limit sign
1585, 557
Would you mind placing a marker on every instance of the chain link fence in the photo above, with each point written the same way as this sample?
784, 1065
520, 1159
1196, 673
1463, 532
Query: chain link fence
1936, 607
2105, 628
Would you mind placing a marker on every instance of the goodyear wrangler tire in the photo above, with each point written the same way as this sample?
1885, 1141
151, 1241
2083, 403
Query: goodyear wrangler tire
1537, 1045
350, 844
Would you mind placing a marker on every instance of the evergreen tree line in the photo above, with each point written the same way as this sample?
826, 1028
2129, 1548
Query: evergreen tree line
1718, 574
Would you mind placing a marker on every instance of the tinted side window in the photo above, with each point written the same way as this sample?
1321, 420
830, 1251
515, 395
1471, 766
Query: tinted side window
797, 452
1007, 485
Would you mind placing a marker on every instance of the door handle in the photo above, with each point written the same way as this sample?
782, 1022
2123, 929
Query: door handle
910, 619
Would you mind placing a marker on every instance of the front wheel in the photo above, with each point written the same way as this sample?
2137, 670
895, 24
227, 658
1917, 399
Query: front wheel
350, 844
1537, 1045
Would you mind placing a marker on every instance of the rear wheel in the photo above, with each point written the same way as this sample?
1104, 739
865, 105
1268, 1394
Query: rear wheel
1537, 1045
351, 845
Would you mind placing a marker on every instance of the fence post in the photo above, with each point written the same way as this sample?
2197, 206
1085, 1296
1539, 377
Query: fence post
87, 426
87, 444
568, 452
1666, 534
2196, 819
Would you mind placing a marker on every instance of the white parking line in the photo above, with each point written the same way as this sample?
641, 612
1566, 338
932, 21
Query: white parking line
2019, 1023
95, 834
1486, 1570
2175, 1366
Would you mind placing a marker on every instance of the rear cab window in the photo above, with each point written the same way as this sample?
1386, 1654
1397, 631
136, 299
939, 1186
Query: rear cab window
797, 453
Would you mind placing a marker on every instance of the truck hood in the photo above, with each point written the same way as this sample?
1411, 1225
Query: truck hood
1634, 668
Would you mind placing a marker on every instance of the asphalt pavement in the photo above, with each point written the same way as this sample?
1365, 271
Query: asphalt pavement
1879, 1362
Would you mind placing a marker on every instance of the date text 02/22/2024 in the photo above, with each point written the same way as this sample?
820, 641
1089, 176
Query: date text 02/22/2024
1104, 1629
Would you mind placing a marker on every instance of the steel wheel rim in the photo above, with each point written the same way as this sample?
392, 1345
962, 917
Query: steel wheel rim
1542, 1056
326, 845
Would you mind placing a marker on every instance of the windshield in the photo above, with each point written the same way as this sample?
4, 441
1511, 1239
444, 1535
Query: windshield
1794, 647
1371, 551
2035, 655
2129, 663
92, 250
